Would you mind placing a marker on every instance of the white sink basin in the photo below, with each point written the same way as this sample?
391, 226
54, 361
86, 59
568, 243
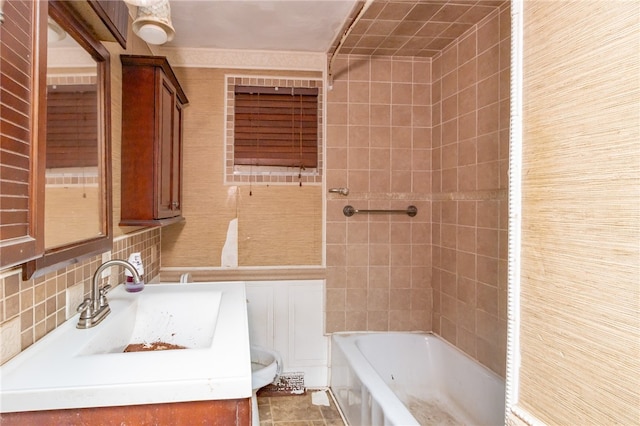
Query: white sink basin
75, 368
185, 318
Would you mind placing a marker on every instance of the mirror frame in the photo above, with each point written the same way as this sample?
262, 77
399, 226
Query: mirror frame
59, 257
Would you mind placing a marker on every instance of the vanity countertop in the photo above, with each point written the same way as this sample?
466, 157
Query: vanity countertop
77, 368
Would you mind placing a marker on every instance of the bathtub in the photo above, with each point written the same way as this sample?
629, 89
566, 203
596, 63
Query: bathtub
412, 379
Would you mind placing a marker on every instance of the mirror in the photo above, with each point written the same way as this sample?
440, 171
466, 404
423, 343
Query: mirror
73, 204
77, 208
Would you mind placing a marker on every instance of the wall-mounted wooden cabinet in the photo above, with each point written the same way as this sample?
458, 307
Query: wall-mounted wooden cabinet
109, 19
22, 101
152, 100
24, 60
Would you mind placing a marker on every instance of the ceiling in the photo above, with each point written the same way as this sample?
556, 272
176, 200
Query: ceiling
282, 25
386, 28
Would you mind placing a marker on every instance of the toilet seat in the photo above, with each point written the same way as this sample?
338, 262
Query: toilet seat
266, 366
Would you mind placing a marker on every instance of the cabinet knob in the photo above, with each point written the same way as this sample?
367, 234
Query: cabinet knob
174, 205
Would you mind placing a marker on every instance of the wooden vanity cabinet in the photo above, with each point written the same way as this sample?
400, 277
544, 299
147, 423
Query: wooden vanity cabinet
226, 412
152, 102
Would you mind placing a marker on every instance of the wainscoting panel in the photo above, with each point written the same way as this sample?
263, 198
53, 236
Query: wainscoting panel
287, 316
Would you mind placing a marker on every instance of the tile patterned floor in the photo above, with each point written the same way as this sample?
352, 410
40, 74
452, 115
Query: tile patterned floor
297, 410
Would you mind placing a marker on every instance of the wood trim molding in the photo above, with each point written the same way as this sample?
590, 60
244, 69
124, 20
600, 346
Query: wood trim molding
205, 274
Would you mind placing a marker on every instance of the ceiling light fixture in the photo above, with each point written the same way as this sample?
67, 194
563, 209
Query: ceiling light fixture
143, 3
153, 21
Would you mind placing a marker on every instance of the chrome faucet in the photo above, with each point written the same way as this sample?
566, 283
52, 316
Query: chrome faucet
95, 308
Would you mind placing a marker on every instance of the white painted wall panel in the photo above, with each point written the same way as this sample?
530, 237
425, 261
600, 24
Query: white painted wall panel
288, 316
260, 311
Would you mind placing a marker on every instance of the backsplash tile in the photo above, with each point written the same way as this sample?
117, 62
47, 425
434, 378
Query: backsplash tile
37, 306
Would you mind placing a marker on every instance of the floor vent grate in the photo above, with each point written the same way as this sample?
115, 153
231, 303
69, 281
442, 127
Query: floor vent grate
286, 384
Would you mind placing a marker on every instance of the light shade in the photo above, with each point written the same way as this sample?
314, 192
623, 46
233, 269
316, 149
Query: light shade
153, 23
152, 33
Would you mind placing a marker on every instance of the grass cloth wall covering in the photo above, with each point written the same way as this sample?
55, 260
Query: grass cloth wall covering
580, 289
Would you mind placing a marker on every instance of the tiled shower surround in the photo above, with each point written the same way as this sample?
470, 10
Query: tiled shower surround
37, 306
379, 146
432, 133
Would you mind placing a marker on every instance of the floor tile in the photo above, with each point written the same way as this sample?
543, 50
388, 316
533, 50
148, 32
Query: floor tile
297, 410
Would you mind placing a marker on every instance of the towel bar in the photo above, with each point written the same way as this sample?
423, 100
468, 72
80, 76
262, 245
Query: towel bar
350, 211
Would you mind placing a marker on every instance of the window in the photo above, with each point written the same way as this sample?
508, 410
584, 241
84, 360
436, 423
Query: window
273, 130
276, 126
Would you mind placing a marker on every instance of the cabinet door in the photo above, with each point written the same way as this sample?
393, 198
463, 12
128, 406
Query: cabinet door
152, 118
22, 130
176, 161
108, 19
115, 16
166, 108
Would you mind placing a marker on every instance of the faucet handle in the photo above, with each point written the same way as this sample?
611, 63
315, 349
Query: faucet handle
103, 295
84, 305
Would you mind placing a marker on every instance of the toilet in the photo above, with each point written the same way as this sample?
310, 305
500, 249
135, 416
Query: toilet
266, 366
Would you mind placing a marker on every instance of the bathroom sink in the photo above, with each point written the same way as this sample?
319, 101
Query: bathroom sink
165, 316
77, 368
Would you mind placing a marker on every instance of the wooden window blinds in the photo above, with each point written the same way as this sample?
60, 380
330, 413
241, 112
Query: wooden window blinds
276, 126
72, 123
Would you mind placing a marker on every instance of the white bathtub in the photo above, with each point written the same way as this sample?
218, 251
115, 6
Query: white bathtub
412, 379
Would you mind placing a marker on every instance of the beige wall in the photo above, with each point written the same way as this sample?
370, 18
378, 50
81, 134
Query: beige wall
278, 225
469, 180
579, 285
